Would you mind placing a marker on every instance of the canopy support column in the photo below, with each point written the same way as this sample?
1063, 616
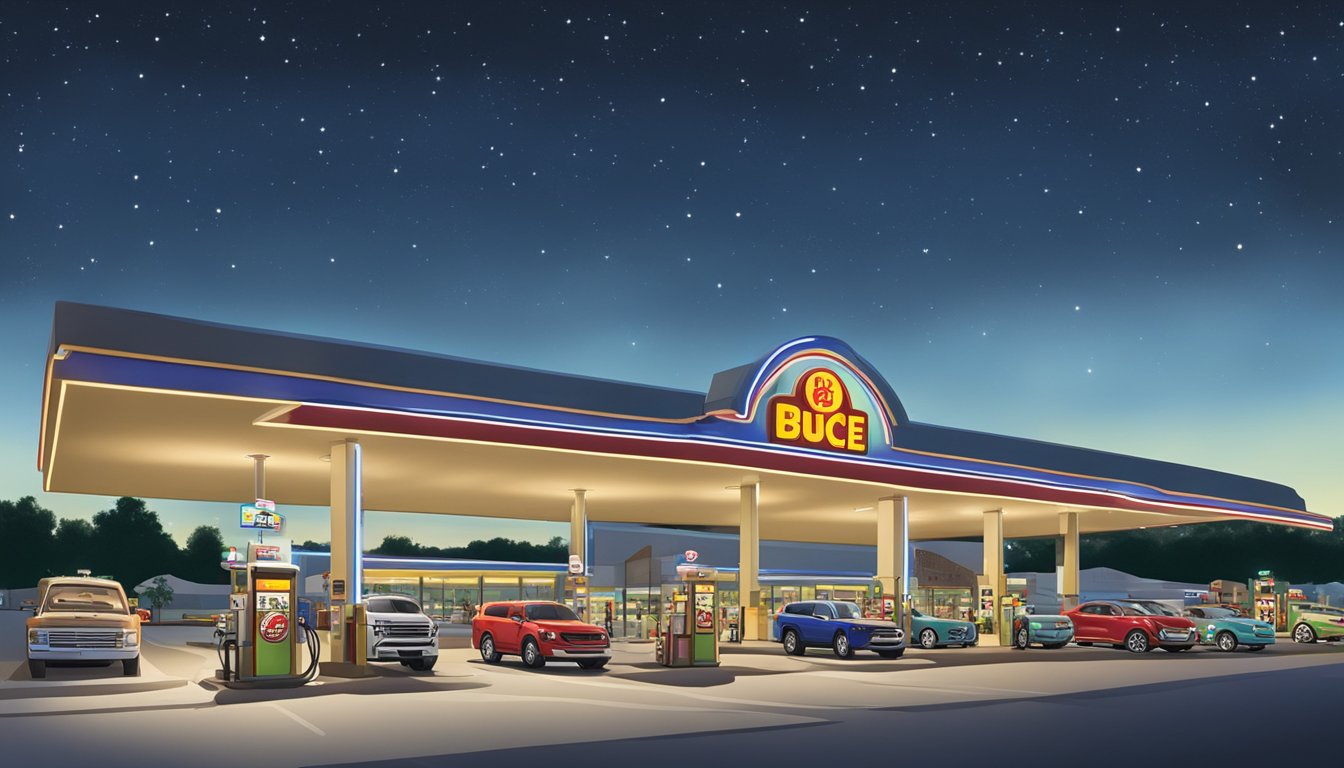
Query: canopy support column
1066, 561
749, 560
893, 561
347, 543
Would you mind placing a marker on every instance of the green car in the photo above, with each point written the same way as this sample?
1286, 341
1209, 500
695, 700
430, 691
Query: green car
1222, 628
1318, 622
934, 633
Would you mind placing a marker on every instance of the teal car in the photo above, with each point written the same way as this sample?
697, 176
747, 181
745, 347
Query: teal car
1225, 630
930, 632
1047, 630
1318, 622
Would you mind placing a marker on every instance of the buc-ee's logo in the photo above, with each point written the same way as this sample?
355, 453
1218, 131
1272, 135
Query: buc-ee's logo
818, 415
274, 627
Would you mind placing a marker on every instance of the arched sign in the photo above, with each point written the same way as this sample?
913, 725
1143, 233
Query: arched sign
818, 414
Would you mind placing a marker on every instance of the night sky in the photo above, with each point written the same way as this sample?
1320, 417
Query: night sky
1114, 225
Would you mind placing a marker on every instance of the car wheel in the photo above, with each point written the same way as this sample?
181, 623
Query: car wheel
841, 646
891, 654
532, 654
37, 668
1022, 639
1226, 641
592, 663
928, 639
1136, 641
131, 667
488, 653
422, 665
1303, 633
792, 645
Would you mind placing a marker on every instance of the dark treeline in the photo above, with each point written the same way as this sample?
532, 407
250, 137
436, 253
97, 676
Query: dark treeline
126, 542
554, 551
1200, 553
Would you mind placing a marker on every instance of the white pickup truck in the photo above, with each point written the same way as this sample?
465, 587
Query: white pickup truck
82, 619
397, 630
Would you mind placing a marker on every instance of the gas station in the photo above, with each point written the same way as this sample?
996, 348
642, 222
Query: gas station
808, 443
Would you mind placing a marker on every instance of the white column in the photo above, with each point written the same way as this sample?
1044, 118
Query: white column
893, 546
749, 560
993, 563
1066, 560
578, 527
347, 534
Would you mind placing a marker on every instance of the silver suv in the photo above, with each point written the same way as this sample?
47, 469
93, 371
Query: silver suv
396, 629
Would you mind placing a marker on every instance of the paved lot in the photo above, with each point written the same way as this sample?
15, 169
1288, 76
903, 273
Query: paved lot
759, 707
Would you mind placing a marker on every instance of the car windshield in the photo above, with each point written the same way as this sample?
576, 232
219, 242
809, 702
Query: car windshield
1133, 609
1327, 609
1218, 613
391, 605
847, 610
82, 597
549, 612
1159, 609
916, 614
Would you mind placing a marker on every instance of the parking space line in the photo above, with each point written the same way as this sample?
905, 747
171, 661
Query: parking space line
296, 718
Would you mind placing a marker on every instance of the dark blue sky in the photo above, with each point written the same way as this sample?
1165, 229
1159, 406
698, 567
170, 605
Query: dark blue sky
1114, 225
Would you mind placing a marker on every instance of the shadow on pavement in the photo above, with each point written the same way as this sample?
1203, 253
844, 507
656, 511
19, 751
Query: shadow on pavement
376, 686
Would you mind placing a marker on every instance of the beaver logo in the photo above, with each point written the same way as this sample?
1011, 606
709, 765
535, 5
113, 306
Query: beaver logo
818, 414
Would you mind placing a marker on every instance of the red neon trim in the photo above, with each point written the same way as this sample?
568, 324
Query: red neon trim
626, 445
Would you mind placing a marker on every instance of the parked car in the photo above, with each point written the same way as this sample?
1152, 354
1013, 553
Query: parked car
1127, 624
1222, 628
931, 632
1049, 630
538, 631
82, 619
838, 625
396, 629
1318, 622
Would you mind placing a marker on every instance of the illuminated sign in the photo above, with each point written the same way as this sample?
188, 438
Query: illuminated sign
818, 415
267, 554
257, 516
272, 585
692, 555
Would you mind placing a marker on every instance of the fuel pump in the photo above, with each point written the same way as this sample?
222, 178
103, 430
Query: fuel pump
690, 637
261, 644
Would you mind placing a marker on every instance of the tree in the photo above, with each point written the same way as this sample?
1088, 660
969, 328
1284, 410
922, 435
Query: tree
200, 558
158, 594
74, 545
315, 546
26, 543
131, 545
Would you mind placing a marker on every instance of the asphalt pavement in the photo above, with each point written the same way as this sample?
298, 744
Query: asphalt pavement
1094, 707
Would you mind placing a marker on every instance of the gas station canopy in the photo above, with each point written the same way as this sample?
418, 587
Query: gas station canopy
165, 407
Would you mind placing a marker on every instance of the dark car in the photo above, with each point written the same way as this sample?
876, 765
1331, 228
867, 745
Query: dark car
838, 625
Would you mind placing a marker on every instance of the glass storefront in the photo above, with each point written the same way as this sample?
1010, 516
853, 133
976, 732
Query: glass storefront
453, 599
945, 603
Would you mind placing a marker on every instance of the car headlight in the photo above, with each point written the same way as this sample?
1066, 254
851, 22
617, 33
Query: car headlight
132, 637
547, 635
37, 637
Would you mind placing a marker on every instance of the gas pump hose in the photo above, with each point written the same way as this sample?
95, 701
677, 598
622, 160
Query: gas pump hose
314, 644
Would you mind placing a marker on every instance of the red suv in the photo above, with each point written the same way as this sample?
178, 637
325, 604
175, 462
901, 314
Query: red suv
538, 631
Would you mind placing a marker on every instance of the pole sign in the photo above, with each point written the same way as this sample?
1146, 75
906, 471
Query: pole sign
260, 514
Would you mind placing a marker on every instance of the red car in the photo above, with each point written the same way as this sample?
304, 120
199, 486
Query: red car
1128, 624
538, 631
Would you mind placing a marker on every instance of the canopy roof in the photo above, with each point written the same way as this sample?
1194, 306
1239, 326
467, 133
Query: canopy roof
166, 407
